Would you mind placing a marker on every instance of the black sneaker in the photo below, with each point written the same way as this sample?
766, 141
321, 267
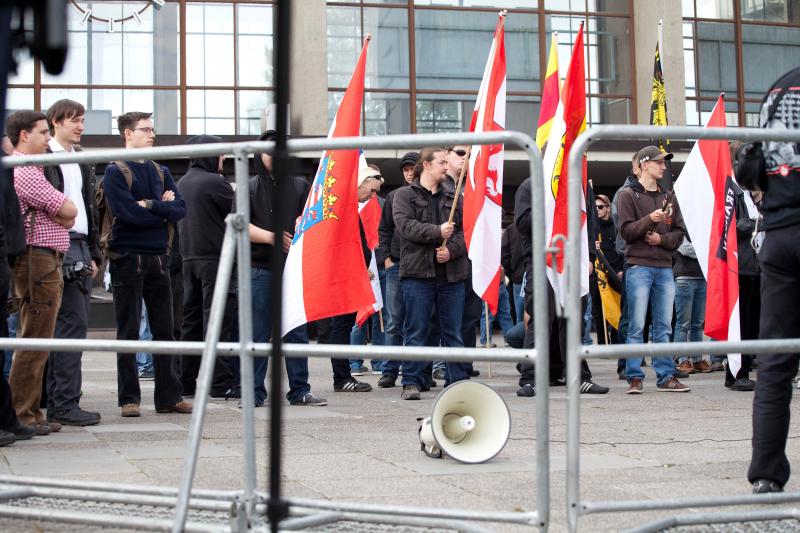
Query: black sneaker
309, 399
410, 392
680, 374
473, 373
587, 387
526, 391
352, 385
7, 438
22, 431
558, 382
741, 385
75, 417
387, 381
438, 373
764, 486
621, 374
233, 393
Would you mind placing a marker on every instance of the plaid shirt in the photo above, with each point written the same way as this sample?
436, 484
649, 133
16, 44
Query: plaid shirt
37, 195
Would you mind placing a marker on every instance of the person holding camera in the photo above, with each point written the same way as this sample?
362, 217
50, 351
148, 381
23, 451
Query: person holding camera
65, 119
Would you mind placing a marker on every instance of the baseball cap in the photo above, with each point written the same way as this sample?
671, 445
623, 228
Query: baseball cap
368, 172
652, 153
410, 158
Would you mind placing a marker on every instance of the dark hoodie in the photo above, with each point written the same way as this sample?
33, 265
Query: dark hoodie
634, 208
209, 199
263, 189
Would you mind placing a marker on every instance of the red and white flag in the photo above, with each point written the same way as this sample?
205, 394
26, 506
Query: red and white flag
706, 196
370, 214
568, 122
483, 192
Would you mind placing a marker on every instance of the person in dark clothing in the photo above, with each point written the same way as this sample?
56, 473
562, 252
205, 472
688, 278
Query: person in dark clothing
558, 325
264, 231
433, 273
779, 258
139, 262
209, 199
605, 237
388, 253
513, 262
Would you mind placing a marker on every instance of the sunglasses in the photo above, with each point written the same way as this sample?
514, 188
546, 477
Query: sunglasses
601, 206
459, 153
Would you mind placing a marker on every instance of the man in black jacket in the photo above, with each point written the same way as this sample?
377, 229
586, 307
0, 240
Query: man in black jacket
265, 232
779, 258
433, 273
66, 121
209, 199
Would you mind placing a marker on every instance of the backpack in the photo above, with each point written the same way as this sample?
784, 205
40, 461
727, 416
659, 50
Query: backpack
106, 217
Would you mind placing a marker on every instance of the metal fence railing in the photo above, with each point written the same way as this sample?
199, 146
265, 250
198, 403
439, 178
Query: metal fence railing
245, 507
576, 352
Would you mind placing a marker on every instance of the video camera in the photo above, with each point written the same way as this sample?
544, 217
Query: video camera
76, 271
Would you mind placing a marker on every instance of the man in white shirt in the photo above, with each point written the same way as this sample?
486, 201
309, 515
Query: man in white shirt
66, 121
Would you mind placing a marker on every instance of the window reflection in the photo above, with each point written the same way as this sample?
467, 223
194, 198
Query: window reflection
771, 10
210, 111
768, 52
253, 108
209, 44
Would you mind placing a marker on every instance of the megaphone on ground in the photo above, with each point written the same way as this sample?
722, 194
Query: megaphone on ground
470, 423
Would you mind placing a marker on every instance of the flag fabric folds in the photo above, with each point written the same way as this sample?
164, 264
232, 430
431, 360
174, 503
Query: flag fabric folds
706, 196
483, 191
609, 285
658, 99
370, 214
325, 274
551, 88
568, 122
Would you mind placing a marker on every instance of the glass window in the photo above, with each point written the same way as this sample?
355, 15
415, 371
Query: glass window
768, 52
699, 111
17, 99
565, 5
715, 9
609, 65
688, 59
771, 10
253, 108
452, 47
210, 111
254, 44
688, 8
715, 58
25, 69
209, 43
495, 4
609, 111
386, 113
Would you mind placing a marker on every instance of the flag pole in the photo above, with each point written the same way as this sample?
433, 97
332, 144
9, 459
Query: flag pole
458, 190
488, 333
380, 319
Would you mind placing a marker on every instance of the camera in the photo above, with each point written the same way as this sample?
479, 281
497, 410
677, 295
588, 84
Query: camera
76, 271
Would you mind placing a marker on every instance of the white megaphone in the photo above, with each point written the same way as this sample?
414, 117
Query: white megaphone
470, 423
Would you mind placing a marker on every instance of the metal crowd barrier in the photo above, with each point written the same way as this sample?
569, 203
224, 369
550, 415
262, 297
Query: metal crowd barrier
576, 352
245, 508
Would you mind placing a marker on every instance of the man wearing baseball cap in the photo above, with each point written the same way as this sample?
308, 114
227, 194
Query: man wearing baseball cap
652, 226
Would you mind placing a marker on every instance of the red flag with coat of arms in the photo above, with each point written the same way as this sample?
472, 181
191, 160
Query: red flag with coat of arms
325, 274
483, 192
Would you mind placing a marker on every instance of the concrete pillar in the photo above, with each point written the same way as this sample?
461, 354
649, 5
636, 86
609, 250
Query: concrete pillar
645, 27
308, 97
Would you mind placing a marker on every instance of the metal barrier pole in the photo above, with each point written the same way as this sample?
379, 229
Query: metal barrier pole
245, 329
575, 353
215, 319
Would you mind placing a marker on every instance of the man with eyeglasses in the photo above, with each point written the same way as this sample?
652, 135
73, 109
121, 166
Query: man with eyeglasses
605, 241
144, 201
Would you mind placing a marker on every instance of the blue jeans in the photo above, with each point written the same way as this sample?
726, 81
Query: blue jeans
373, 323
13, 325
519, 301
296, 367
586, 325
690, 312
421, 296
144, 360
652, 286
394, 316
503, 316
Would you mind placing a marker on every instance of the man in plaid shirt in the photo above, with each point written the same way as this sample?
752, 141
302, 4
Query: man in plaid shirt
47, 216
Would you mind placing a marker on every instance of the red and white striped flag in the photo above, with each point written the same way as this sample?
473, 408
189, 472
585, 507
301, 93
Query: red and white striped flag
706, 197
569, 122
483, 192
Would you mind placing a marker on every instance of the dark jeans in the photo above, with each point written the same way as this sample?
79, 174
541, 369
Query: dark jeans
199, 277
7, 414
296, 367
394, 315
749, 311
64, 368
780, 291
420, 297
137, 277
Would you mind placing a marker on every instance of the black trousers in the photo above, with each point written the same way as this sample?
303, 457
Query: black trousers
340, 334
749, 311
8, 416
780, 293
199, 277
135, 277
557, 344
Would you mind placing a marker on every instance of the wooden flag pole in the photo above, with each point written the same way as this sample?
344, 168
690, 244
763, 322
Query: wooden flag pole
488, 334
380, 319
458, 190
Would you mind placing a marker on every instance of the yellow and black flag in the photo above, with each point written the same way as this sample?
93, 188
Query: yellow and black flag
609, 284
658, 108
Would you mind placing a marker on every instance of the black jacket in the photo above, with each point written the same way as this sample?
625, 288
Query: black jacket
608, 243
390, 242
511, 254
781, 203
413, 212
263, 191
209, 199
748, 263
56, 178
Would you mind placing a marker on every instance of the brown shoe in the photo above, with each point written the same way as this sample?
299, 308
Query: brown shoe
41, 430
55, 427
635, 386
717, 367
182, 406
673, 385
703, 367
686, 366
131, 410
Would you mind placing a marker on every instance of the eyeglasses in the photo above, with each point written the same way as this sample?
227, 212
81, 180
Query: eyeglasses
148, 131
459, 153
601, 206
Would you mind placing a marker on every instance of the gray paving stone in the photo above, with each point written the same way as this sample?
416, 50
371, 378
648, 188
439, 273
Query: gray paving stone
34, 462
58, 439
446, 465
173, 452
134, 427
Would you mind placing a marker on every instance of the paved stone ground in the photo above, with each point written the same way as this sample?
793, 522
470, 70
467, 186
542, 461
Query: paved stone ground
364, 448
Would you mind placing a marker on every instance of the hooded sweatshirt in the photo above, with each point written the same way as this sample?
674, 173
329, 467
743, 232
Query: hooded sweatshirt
209, 199
634, 208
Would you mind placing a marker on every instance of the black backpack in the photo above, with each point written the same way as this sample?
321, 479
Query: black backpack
11, 218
